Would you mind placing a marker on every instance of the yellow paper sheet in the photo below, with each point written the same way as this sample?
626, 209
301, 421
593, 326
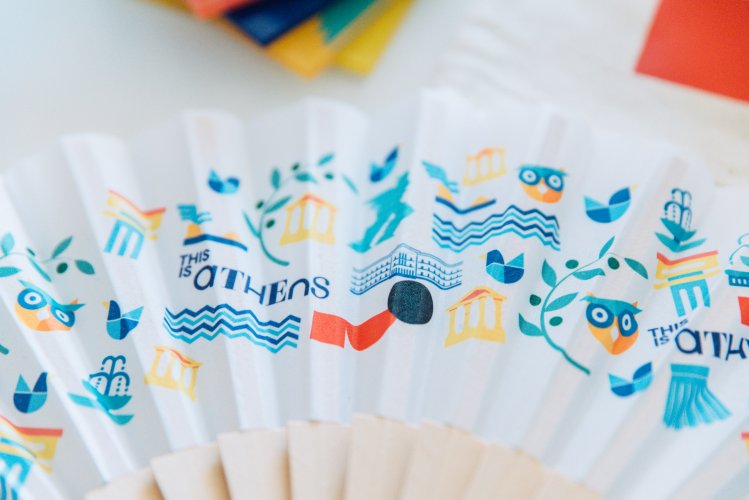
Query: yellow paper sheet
362, 54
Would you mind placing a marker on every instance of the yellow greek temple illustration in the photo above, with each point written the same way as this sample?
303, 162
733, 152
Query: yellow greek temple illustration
163, 373
319, 227
131, 223
474, 324
29, 444
485, 165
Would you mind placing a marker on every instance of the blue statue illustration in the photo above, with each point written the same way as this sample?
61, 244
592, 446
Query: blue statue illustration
391, 210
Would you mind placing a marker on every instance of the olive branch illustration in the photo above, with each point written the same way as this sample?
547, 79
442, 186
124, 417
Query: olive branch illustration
61, 265
579, 272
265, 208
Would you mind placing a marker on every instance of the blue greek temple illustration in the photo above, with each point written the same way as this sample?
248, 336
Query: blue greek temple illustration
408, 262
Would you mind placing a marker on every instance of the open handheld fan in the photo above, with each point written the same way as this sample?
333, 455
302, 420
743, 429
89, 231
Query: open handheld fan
510, 272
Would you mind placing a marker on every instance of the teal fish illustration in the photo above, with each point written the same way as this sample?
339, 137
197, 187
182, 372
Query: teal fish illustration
641, 380
380, 172
616, 207
119, 324
229, 185
508, 273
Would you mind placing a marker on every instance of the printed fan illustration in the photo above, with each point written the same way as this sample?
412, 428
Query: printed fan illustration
326, 304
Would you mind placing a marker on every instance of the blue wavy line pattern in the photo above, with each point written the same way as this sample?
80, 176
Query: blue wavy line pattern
408, 262
210, 321
524, 223
463, 211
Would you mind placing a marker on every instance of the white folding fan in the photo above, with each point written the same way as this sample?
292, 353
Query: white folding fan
562, 305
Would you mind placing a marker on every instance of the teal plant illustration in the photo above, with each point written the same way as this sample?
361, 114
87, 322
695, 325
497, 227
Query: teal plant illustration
550, 304
743, 246
263, 219
56, 260
677, 219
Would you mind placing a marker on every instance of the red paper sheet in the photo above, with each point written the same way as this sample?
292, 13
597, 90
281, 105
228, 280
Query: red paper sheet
701, 43
210, 8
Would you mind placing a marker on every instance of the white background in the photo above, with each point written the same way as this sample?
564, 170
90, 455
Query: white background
121, 65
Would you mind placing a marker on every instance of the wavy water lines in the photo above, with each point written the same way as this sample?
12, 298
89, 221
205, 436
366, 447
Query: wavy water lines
524, 223
210, 321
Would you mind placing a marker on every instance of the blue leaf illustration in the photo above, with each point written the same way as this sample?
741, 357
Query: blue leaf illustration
548, 274
527, 328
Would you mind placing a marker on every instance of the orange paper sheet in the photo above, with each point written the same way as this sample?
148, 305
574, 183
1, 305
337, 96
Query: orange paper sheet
704, 44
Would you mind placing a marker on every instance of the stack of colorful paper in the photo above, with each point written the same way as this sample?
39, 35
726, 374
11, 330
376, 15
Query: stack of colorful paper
308, 36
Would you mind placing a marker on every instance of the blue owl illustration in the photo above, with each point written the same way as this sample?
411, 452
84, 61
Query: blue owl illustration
39, 311
541, 183
612, 322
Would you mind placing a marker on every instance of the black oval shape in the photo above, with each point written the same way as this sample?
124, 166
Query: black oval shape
411, 302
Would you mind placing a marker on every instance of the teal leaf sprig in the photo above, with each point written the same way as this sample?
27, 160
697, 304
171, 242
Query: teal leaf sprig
56, 260
551, 304
299, 173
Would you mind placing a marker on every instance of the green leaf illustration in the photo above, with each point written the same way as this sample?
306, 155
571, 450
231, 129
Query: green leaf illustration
30, 251
7, 243
39, 269
84, 266
637, 267
527, 328
295, 167
571, 264
534, 299
325, 159
251, 226
305, 177
61, 247
613, 263
62, 267
8, 271
561, 302
350, 183
279, 204
275, 178
260, 204
588, 274
548, 274
329, 175
606, 247
556, 321
270, 223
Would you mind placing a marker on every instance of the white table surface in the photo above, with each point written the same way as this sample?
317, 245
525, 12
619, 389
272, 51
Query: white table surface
580, 55
121, 65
